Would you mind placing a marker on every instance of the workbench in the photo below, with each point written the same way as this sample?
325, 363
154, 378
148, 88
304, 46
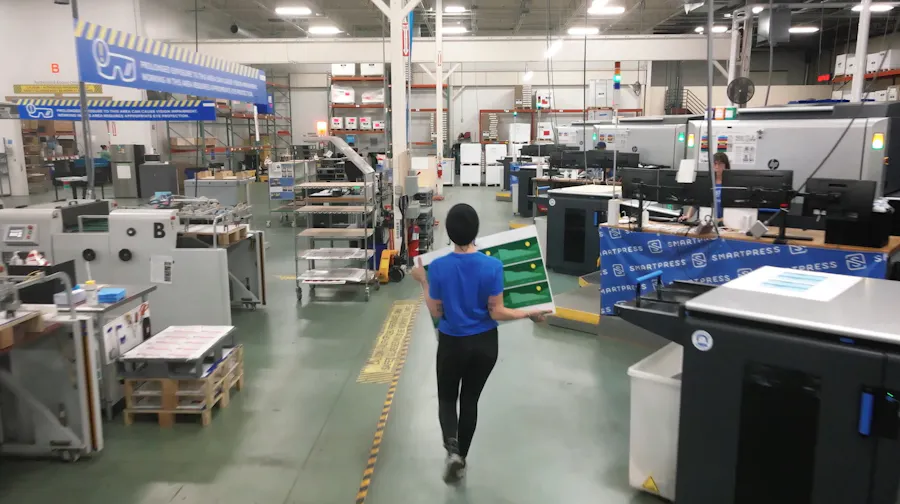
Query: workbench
228, 192
626, 255
116, 334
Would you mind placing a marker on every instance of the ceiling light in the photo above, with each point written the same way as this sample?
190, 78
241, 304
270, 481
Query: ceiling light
720, 29
584, 30
612, 10
698, 29
727, 15
324, 30
757, 9
454, 9
450, 30
293, 11
528, 75
875, 7
553, 49
803, 29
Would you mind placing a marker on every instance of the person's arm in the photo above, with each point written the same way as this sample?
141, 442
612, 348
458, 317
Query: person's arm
689, 215
501, 313
432, 291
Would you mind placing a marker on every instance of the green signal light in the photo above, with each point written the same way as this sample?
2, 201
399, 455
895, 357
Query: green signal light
595, 137
617, 78
681, 137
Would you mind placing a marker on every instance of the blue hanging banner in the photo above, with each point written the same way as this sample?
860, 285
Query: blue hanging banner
626, 255
108, 56
118, 110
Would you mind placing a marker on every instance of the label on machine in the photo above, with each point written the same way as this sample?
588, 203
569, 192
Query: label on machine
741, 147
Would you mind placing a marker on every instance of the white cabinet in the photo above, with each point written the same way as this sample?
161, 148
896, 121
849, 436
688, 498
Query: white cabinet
470, 163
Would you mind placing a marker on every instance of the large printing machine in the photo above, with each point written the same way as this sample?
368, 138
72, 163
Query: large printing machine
798, 138
789, 387
198, 278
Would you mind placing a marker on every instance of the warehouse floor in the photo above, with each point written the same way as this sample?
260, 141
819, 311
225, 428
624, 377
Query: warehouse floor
553, 420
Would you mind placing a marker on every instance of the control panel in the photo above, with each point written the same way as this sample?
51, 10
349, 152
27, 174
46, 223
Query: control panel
20, 234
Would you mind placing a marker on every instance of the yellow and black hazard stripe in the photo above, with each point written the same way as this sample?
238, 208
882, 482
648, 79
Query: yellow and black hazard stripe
130, 41
369, 471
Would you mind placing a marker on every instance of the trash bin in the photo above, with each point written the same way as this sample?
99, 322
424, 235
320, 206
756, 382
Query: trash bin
655, 408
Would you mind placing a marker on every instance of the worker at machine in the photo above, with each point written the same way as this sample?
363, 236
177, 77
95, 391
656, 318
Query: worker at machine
104, 152
464, 290
720, 164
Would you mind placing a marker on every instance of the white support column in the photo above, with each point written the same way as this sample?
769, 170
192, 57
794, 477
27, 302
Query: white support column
862, 47
733, 51
439, 81
398, 87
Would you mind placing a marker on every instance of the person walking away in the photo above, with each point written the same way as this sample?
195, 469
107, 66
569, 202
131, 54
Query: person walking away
464, 291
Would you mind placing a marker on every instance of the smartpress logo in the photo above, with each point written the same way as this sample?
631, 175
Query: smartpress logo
795, 250
698, 260
744, 271
655, 246
855, 262
618, 270
614, 233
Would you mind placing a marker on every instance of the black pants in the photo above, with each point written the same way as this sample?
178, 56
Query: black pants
469, 361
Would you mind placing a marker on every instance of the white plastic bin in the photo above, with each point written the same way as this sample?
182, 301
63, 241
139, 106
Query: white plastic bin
655, 408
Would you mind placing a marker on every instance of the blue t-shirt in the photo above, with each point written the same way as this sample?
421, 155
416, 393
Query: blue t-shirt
463, 283
721, 211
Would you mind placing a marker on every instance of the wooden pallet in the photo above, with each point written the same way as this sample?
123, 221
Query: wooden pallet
18, 327
233, 234
168, 397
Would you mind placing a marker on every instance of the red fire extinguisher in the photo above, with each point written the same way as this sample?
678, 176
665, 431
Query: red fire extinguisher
413, 241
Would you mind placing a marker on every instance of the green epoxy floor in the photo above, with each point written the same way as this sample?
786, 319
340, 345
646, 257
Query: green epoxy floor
553, 421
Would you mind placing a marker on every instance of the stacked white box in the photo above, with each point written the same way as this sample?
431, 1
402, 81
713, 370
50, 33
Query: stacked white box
371, 69
343, 69
365, 123
893, 93
373, 96
343, 95
378, 125
337, 123
840, 64
837, 95
879, 96
351, 123
891, 58
850, 67
470, 163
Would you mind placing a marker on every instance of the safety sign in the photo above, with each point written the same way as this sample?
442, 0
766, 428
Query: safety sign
108, 56
59, 88
118, 110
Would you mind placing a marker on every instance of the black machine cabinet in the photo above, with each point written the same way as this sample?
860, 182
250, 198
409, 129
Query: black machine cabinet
572, 229
784, 400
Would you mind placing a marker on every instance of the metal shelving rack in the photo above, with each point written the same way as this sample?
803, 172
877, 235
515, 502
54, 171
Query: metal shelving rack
364, 214
283, 179
359, 83
279, 125
356, 208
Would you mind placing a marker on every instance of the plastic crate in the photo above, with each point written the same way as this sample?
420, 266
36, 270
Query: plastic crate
655, 408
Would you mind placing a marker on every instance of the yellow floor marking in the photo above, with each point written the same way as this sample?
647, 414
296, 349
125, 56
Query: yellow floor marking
386, 354
390, 344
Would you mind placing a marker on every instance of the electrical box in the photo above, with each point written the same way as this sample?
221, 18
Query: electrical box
774, 26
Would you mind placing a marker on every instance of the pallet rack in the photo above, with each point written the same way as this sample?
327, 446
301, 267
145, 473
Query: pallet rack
283, 179
355, 201
340, 109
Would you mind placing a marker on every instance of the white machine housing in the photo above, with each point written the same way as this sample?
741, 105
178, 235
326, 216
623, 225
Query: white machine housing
799, 138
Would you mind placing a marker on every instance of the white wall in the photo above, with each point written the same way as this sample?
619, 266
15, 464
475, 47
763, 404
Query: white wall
780, 95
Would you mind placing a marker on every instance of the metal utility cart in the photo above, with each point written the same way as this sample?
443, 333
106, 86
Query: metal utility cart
338, 211
283, 177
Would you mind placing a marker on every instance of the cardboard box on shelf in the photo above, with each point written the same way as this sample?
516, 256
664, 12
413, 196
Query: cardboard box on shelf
343, 94
365, 123
223, 174
893, 93
378, 125
889, 59
343, 69
373, 96
29, 124
840, 64
351, 123
64, 127
337, 123
371, 69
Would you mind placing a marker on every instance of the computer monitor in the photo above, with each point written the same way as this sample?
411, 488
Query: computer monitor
639, 183
698, 192
839, 199
755, 188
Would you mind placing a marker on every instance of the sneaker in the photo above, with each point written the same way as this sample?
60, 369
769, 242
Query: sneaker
455, 468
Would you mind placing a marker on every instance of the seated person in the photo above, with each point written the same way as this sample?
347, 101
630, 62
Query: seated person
720, 164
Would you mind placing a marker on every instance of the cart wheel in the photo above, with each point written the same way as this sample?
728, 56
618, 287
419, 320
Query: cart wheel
69, 456
377, 285
395, 274
367, 294
299, 294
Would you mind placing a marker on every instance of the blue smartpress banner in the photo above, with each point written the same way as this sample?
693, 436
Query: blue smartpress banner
627, 255
107, 56
118, 110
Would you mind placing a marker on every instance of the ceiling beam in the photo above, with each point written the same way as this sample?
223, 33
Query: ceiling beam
524, 10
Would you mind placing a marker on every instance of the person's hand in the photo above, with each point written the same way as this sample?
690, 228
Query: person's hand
538, 316
418, 273
682, 218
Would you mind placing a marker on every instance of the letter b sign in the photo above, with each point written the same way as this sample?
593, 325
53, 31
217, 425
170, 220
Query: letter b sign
159, 230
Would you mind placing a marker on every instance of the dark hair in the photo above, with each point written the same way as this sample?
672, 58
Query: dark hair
102, 146
721, 157
462, 224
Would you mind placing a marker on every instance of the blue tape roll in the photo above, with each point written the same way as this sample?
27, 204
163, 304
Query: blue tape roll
649, 276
